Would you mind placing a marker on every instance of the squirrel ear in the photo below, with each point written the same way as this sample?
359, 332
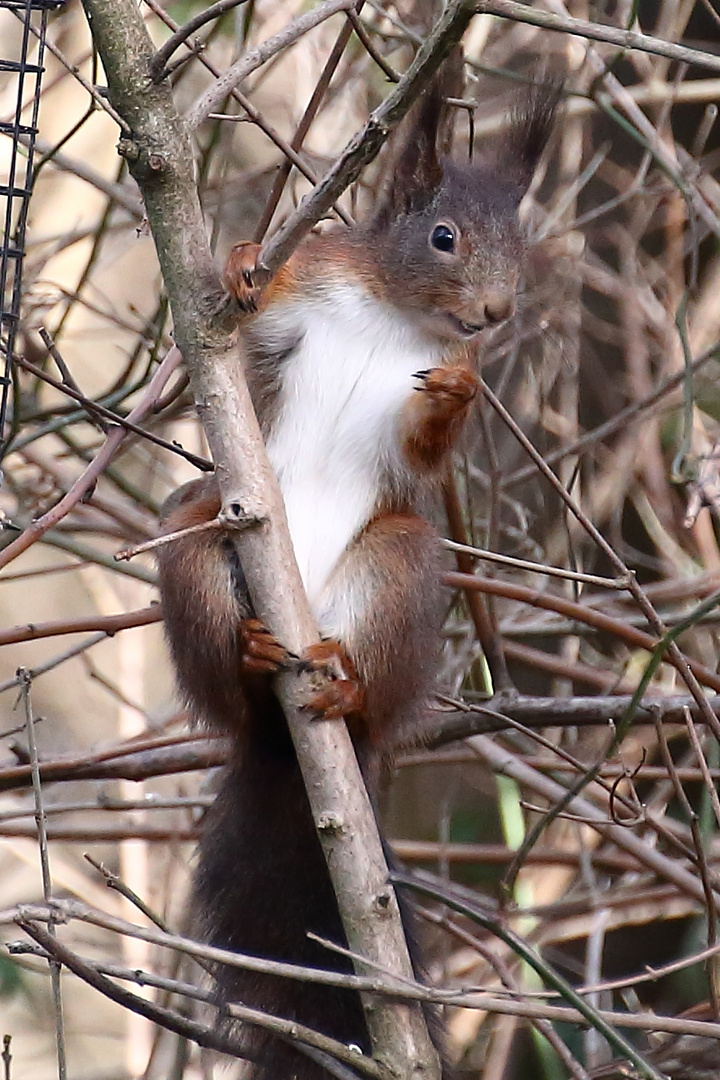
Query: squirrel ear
418, 170
533, 120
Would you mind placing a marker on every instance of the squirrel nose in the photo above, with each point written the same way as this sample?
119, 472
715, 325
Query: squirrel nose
499, 306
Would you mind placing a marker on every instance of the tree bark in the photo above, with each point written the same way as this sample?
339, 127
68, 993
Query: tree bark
161, 160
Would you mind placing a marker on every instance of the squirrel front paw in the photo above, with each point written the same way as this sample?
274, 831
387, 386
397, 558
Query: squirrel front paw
450, 389
238, 274
433, 417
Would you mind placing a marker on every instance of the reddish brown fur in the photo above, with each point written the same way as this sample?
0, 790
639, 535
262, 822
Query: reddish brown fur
237, 278
262, 883
434, 417
388, 663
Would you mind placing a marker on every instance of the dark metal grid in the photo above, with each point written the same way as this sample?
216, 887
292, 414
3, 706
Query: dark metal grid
36, 5
16, 189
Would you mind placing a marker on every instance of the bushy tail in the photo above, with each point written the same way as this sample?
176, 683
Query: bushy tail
261, 885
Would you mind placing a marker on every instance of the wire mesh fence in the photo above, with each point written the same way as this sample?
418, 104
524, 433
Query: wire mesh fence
20, 130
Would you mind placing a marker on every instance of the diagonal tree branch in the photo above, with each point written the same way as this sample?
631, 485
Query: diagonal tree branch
611, 35
364, 147
255, 58
161, 159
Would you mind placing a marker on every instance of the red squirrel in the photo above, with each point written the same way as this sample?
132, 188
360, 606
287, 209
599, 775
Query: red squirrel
361, 363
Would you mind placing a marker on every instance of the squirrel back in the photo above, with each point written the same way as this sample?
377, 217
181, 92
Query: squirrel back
361, 363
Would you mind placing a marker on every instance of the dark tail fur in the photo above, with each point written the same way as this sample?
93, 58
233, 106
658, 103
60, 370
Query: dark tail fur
261, 885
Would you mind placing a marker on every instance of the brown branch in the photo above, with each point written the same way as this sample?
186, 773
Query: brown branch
95, 409
533, 712
619, 422
105, 832
203, 753
364, 147
506, 763
500, 855
577, 671
633, 637
151, 757
410, 990
109, 624
167, 1018
485, 626
686, 669
611, 35
304, 126
253, 59
157, 66
254, 114
100, 462
364, 38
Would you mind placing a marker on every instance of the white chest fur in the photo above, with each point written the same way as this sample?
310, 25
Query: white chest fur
335, 438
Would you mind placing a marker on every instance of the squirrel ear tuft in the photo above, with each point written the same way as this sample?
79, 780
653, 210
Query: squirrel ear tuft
534, 117
418, 170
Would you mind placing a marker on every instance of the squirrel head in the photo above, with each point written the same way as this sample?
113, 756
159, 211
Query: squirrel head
450, 245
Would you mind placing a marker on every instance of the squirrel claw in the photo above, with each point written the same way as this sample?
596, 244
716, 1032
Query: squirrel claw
342, 695
339, 698
260, 652
238, 275
330, 657
452, 387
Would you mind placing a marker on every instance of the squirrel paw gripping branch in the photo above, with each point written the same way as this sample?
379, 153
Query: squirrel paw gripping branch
361, 363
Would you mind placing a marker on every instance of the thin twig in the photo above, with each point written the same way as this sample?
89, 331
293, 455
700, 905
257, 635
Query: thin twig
99, 463
365, 146
95, 410
41, 826
215, 11
623, 39
253, 59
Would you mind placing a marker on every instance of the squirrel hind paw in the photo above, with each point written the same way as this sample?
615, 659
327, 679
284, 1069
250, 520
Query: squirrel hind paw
337, 699
260, 652
342, 695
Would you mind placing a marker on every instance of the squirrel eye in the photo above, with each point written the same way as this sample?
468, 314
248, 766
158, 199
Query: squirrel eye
443, 238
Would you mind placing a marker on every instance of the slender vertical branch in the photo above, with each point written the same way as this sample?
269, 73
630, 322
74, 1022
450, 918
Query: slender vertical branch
44, 867
160, 157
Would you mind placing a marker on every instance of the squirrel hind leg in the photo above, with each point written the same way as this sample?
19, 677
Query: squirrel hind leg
384, 604
204, 600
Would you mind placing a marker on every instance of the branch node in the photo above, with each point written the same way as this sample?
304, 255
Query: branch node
128, 149
383, 901
330, 824
237, 517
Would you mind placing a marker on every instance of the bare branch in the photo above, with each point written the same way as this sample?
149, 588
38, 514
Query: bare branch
100, 462
256, 57
183, 33
623, 39
161, 159
364, 147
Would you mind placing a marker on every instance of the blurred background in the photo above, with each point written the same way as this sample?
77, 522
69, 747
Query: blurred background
609, 367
